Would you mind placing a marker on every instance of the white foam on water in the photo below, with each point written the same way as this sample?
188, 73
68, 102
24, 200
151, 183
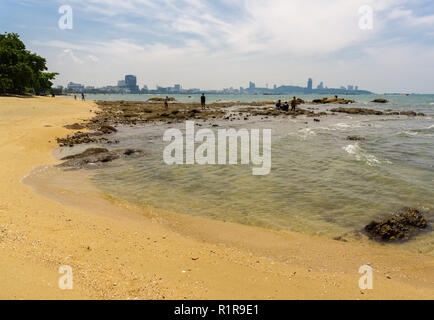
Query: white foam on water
306, 133
409, 133
345, 126
361, 155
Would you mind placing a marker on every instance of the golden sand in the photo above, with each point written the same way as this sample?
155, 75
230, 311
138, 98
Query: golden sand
117, 251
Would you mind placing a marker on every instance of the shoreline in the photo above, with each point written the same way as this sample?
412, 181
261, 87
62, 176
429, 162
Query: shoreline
127, 255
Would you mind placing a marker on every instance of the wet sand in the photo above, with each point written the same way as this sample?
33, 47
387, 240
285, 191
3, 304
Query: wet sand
117, 251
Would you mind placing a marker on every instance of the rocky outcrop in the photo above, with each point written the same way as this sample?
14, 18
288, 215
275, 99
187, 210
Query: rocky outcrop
380, 100
332, 101
362, 111
94, 156
400, 226
355, 138
81, 138
106, 129
411, 114
75, 126
159, 99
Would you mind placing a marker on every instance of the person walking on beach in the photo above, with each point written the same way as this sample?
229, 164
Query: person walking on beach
83, 98
293, 103
166, 103
203, 101
75, 97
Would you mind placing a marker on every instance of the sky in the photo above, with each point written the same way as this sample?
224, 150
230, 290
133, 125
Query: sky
214, 44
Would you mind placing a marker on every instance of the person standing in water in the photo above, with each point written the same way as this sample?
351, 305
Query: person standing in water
203, 101
293, 103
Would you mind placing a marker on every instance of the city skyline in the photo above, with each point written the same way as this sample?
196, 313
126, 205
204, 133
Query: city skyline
215, 44
130, 85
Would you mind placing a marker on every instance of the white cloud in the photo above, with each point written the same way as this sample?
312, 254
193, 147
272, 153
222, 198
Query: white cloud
279, 40
410, 18
69, 53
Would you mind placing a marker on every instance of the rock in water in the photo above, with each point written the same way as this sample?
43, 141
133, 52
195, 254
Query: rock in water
381, 100
362, 111
355, 138
88, 153
400, 226
97, 156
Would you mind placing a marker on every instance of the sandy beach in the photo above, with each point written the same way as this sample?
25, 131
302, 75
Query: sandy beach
118, 251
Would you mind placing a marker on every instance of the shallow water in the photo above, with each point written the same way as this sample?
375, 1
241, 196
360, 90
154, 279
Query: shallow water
320, 183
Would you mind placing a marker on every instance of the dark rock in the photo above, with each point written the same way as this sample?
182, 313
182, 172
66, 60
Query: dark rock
80, 138
408, 113
80, 162
95, 156
400, 226
75, 126
332, 101
355, 138
89, 152
129, 152
362, 111
107, 129
380, 100
340, 239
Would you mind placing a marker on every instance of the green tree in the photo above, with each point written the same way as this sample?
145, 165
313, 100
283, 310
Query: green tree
20, 69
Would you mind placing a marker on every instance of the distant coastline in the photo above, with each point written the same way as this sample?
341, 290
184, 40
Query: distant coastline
283, 90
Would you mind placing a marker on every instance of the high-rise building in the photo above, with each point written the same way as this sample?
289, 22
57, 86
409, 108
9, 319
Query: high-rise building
309, 84
252, 85
177, 88
76, 87
131, 83
121, 83
350, 88
320, 86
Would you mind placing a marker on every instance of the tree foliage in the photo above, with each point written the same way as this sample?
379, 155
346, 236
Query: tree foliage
20, 69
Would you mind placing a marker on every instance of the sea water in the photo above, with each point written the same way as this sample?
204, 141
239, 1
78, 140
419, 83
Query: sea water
320, 183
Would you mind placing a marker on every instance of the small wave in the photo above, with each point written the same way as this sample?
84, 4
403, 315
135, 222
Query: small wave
424, 132
345, 126
361, 155
409, 133
306, 133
